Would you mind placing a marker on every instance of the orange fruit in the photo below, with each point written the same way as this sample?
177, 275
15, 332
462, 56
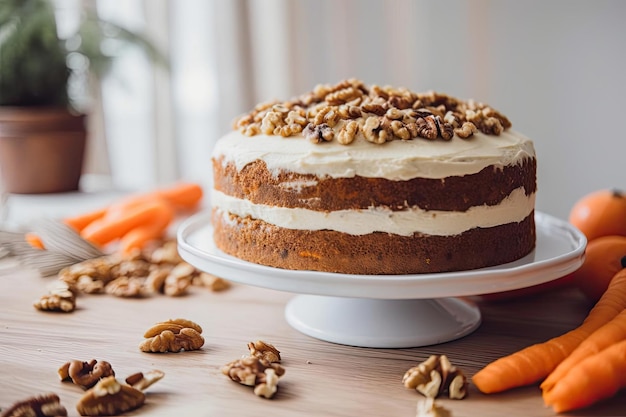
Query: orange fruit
601, 213
603, 259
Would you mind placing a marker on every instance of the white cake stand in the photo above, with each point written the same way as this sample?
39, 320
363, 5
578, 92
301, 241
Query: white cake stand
390, 311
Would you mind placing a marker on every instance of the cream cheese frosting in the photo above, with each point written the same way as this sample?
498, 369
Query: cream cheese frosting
395, 160
514, 208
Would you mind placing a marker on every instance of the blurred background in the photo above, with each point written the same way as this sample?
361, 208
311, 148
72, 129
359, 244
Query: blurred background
555, 68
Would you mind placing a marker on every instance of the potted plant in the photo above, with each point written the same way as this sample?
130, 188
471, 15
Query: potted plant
42, 132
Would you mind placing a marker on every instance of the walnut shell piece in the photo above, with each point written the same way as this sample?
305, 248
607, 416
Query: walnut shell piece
47, 405
85, 374
109, 398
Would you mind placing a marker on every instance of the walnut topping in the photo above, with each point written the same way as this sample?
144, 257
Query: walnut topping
47, 405
380, 114
436, 376
109, 398
85, 374
173, 336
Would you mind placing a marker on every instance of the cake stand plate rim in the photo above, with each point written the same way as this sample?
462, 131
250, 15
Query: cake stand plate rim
559, 251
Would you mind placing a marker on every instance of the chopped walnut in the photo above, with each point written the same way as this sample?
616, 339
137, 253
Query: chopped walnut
85, 374
57, 300
212, 282
318, 133
264, 351
173, 336
142, 381
126, 287
250, 370
179, 279
48, 405
429, 408
166, 253
158, 269
436, 376
318, 115
268, 388
109, 398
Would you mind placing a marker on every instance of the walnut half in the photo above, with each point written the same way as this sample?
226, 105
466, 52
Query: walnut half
172, 336
85, 374
110, 398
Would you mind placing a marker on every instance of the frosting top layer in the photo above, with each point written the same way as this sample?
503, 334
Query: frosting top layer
395, 160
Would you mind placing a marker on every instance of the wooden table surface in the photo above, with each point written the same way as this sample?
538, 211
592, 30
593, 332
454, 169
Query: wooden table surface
322, 379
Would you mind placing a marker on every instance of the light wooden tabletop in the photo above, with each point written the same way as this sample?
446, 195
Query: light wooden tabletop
321, 379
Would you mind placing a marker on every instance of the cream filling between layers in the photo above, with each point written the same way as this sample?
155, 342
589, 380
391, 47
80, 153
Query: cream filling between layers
514, 208
396, 160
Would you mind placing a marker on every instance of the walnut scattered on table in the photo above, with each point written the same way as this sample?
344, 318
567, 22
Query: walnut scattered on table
142, 380
173, 336
85, 374
109, 398
258, 370
436, 376
264, 351
158, 269
59, 300
47, 405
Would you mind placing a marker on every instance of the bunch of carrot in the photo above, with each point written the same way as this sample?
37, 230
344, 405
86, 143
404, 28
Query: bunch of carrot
580, 367
137, 219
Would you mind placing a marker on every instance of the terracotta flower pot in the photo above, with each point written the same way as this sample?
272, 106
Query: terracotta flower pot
41, 149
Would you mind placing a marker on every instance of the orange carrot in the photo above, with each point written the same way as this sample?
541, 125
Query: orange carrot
109, 228
80, 221
595, 378
182, 196
612, 332
139, 236
33, 240
535, 362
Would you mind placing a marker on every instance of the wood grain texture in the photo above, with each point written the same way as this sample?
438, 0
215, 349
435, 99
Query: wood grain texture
322, 379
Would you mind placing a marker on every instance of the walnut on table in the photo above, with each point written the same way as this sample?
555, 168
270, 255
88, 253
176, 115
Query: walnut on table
264, 351
172, 336
256, 371
141, 380
60, 300
47, 405
158, 269
85, 374
109, 398
436, 376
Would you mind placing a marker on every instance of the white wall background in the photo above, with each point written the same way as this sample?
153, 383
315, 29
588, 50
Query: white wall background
555, 68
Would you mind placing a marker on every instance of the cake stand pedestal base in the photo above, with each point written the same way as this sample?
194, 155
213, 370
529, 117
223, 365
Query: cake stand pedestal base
376, 323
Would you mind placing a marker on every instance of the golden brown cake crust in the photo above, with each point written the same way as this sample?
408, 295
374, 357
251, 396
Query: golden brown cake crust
376, 253
256, 184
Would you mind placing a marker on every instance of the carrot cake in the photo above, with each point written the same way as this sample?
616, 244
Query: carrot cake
359, 179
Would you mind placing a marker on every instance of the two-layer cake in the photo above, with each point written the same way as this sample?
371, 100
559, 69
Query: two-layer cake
364, 179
